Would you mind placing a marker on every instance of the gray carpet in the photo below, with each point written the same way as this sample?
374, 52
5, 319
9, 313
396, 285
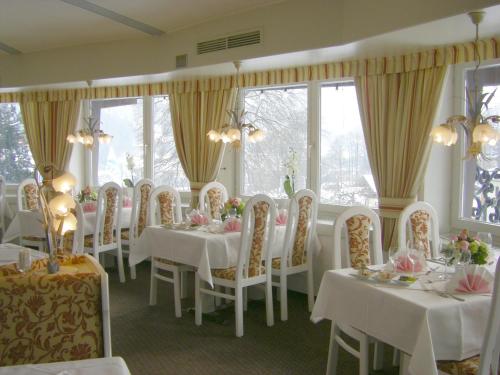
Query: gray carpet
152, 341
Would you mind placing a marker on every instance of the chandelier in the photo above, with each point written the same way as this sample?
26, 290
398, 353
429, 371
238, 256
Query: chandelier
231, 133
478, 129
89, 133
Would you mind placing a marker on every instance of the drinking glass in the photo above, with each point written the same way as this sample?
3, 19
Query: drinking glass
447, 251
393, 255
485, 237
233, 212
24, 262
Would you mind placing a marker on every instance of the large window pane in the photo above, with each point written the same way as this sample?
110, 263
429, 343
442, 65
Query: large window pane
167, 168
123, 157
16, 162
346, 177
282, 114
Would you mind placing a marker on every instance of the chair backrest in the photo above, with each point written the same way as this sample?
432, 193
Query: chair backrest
356, 222
140, 206
490, 349
212, 197
257, 234
422, 221
27, 195
300, 228
165, 206
3, 202
108, 214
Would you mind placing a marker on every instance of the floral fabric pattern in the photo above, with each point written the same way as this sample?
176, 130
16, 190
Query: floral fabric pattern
230, 273
50, 318
261, 210
299, 245
469, 366
109, 215
420, 228
359, 245
166, 203
214, 201
143, 208
31, 196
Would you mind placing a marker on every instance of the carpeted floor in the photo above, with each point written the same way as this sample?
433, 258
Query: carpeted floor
152, 341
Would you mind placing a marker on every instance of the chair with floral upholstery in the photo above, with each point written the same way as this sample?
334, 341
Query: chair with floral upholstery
107, 225
420, 220
138, 218
487, 361
165, 209
72, 240
212, 197
3, 202
27, 195
297, 256
253, 265
354, 225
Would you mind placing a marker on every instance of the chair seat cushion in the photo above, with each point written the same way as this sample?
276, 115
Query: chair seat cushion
230, 273
276, 263
88, 240
125, 234
469, 366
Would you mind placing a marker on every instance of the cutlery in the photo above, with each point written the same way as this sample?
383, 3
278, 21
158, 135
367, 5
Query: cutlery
444, 294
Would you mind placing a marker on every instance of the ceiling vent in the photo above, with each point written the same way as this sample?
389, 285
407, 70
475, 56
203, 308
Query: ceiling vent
231, 41
181, 61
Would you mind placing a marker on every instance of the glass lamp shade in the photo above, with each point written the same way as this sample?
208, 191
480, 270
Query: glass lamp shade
259, 135
233, 134
484, 133
225, 138
214, 135
64, 183
71, 138
445, 135
69, 223
61, 204
105, 138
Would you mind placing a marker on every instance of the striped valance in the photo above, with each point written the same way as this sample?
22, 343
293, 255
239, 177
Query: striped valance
454, 54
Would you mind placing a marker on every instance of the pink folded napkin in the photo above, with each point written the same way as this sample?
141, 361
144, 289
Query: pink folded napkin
127, 202
471, 279
473, 284
199, 219
404, 264
89, 206
232, 225
281, 219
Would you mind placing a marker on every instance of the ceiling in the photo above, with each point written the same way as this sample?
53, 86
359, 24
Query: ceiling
50, 24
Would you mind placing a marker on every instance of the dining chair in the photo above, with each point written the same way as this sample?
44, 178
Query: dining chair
3, 202
297, 255
212, 197
486, 362
73, 240
356, 223
420, 220
165, 208
107, 225
253, 265
27, 195
138, 218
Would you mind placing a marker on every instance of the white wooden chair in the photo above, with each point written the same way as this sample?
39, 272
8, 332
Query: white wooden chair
73, 240
138, 218
27, 195
108, 225
3, 202
212, 197
257, 233
355, 222
165, 208
297, 255
486, 362
420, 220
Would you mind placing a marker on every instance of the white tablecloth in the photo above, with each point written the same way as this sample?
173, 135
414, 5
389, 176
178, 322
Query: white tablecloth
98, 366
31, 223
422, 324
9, 253
197, 248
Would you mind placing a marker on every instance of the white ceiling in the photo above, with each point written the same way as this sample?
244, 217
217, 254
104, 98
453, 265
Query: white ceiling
38, 25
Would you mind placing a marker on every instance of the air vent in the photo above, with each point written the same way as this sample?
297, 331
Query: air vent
181, 61
231, 41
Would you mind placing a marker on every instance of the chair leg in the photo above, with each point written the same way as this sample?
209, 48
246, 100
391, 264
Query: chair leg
333, 351
197, 300
121, 270
378, 356
177, 293
133, 274
283, 297
245, 299
153, 285
184, 292
364, 356
395, 357
228, 291
310, 289
269, 301
218, 300
238, 309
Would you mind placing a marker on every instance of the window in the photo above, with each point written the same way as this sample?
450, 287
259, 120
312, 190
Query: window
345, 177
481, 178
123, 158
282, 114
167, 169
16, 162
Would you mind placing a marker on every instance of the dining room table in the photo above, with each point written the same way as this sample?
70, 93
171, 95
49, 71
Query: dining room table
422, 318
9, 253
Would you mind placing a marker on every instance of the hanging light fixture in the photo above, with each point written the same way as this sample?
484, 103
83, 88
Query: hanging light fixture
232, 132
90, 131
479, 130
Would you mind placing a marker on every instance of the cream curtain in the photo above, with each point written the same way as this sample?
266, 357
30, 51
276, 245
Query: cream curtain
193, 115
397, 111
47, 124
